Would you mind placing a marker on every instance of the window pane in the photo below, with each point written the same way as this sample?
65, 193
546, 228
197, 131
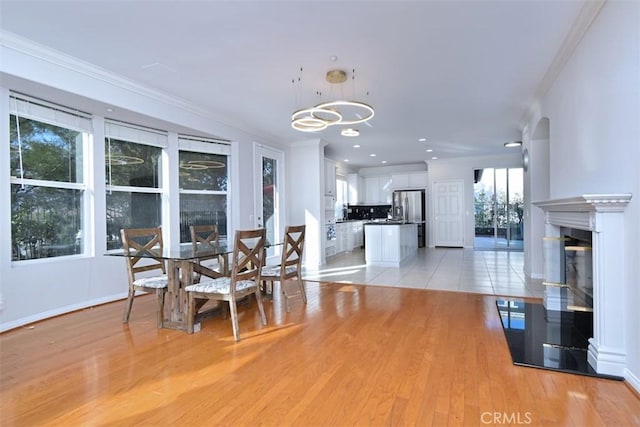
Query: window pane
130, 210
202, 209
131, 164
47, 152
203, 171
45, 222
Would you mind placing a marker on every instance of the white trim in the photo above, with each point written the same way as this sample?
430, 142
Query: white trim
603, 215
129, 189
60, 310
134, 133
39, 110
633, 380
587, 15
49, 184
219, 192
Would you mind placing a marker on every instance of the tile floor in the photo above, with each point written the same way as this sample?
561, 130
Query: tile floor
461, 270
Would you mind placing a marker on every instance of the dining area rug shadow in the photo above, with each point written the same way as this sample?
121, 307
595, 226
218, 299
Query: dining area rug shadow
555, 340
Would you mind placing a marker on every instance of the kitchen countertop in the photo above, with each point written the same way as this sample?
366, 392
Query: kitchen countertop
388, 222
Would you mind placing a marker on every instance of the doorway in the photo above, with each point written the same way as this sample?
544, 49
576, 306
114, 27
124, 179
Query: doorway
499, 208
269, 190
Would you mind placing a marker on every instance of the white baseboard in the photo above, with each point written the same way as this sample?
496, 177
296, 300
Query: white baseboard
60, 310
632, 379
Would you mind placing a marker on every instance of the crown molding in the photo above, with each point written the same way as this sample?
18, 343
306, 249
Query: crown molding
587, 15
44, 53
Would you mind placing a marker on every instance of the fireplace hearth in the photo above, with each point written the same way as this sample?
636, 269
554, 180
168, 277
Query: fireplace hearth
598, 287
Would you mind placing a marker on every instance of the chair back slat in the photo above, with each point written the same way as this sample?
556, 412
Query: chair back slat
248, 256
293, 245
137, 242
204, 236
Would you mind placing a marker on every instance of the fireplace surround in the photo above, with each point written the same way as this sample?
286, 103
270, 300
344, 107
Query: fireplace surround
603, 216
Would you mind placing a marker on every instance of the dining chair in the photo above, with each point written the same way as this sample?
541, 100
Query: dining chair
290, 266
142, 248
247, 260
206, 237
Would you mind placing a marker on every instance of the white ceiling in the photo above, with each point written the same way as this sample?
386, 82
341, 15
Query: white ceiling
459, 73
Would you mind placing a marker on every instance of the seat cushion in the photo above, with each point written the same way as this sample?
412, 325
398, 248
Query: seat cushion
153, 282
220, 286
274, 270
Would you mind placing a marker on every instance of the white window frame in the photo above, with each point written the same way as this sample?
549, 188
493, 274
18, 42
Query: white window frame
136, 135
24, 106
209, 146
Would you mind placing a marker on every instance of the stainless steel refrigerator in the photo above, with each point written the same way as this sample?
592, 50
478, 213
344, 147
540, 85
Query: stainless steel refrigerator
409, 205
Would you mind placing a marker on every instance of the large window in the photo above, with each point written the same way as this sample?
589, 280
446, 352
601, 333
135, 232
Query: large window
203, 180
133, 161
47, 143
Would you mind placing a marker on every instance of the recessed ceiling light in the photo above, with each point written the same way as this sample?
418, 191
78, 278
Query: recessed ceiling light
346, 160
513, 144
109, 109
372, 155
422, 139
349, 132
356, 146
434, 158
429, 150
384, 161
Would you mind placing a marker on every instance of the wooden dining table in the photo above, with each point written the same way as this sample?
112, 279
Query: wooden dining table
182, 263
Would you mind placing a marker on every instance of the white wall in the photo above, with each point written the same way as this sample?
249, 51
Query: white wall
33, 290
462, 168
305, 172
536, 188
594, 113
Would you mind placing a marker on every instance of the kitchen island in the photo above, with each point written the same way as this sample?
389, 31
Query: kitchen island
390, 243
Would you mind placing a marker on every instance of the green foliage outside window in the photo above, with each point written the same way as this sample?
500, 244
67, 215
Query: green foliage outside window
45, 221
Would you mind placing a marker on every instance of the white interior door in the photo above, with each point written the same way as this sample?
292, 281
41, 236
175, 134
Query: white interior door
448, 210
269, 179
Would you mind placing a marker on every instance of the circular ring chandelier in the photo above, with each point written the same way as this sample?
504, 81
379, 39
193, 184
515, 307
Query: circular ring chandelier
310, 119
366, 109
338, 112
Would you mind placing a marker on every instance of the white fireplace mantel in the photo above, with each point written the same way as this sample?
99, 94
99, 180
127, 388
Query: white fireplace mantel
603, 215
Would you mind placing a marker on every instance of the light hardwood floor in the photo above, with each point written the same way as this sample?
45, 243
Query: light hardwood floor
354, 355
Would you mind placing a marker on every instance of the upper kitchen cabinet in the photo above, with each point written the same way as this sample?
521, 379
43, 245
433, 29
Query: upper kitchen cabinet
378, 189
329, 177
355, 188
403, 181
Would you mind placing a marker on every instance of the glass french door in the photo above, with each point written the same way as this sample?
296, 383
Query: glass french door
499, 207
269, 164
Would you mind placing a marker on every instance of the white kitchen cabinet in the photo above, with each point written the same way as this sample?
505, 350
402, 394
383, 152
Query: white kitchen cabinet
378, 189
389, 245
341, 236
354, 235
400, 181
329, 177
418, 180
403, 181
355, 188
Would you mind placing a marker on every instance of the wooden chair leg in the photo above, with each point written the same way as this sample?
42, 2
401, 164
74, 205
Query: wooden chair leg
234, 319
127, 308
285, 295
263, 315
301, 285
